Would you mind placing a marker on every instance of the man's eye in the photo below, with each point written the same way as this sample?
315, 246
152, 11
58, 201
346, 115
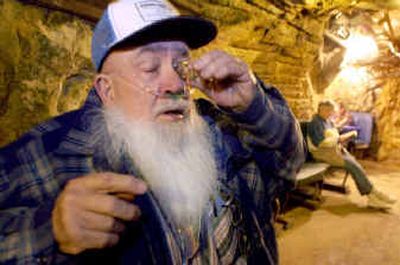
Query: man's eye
150, 69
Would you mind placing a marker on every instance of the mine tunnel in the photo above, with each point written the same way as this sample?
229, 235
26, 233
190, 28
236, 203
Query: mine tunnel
347, 52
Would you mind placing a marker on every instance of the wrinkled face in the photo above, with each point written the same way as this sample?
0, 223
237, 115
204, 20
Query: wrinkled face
143, 84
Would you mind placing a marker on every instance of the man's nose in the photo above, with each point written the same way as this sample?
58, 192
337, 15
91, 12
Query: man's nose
171, 82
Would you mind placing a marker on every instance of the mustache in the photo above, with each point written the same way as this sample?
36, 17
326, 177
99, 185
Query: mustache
181, 105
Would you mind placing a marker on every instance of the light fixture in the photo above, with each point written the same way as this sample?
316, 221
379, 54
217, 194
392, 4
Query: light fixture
360, 48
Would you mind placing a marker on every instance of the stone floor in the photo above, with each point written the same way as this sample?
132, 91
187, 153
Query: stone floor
342, 231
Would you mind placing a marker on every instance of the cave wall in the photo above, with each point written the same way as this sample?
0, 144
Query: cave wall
388, 121
45, 66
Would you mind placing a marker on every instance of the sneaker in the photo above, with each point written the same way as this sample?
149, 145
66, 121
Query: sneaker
375, 202
383, 197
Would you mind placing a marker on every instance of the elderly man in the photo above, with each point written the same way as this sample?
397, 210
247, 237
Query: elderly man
143, 174
325, 144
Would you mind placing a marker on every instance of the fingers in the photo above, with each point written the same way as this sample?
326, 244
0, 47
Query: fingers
124, 196
101, 223
109, 183
226, 80
219, 65
76, 229
111, 205
90, 211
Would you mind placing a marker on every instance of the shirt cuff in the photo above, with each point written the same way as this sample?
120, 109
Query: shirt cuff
255, 111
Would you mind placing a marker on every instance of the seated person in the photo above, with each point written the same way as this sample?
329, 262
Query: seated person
325, 145
343, 120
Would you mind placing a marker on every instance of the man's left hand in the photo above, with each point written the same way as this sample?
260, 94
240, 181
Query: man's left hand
226, 80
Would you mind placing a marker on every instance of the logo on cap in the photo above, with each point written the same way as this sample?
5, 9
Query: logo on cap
154, 10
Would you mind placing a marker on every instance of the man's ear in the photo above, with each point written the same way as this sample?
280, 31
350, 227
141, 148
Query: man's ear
104, 88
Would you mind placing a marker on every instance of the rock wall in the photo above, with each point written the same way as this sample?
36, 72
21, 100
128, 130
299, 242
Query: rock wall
388, 121
45, 66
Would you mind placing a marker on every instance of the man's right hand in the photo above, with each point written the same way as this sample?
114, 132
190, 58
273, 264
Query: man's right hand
89, 212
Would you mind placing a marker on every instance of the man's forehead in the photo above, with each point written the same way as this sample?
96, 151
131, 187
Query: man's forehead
165, 46
328, 107
140, 53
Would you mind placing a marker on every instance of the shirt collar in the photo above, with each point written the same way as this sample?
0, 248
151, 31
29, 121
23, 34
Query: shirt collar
80, 138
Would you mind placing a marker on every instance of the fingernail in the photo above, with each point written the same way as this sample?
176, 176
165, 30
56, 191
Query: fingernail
142, 187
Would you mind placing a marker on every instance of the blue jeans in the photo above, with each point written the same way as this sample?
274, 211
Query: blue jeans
363, 184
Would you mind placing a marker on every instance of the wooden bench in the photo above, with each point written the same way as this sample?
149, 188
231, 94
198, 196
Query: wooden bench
312, 174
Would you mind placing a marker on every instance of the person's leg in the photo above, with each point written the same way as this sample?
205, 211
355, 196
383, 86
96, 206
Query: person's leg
376, 198
363, 184
331, 156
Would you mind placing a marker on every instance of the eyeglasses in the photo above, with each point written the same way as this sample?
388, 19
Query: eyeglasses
184, 70
189, 75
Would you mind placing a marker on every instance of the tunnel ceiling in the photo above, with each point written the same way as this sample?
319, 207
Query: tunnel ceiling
91, 9
256, 19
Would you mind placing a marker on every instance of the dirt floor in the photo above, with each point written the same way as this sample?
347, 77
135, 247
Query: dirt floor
343, 231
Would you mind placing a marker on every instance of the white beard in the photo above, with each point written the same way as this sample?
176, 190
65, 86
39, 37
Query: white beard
175, 159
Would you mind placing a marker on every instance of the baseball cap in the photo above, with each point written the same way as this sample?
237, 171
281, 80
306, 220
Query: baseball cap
138, 22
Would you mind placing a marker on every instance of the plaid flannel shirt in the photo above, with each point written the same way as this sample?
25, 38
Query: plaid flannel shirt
255, 152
